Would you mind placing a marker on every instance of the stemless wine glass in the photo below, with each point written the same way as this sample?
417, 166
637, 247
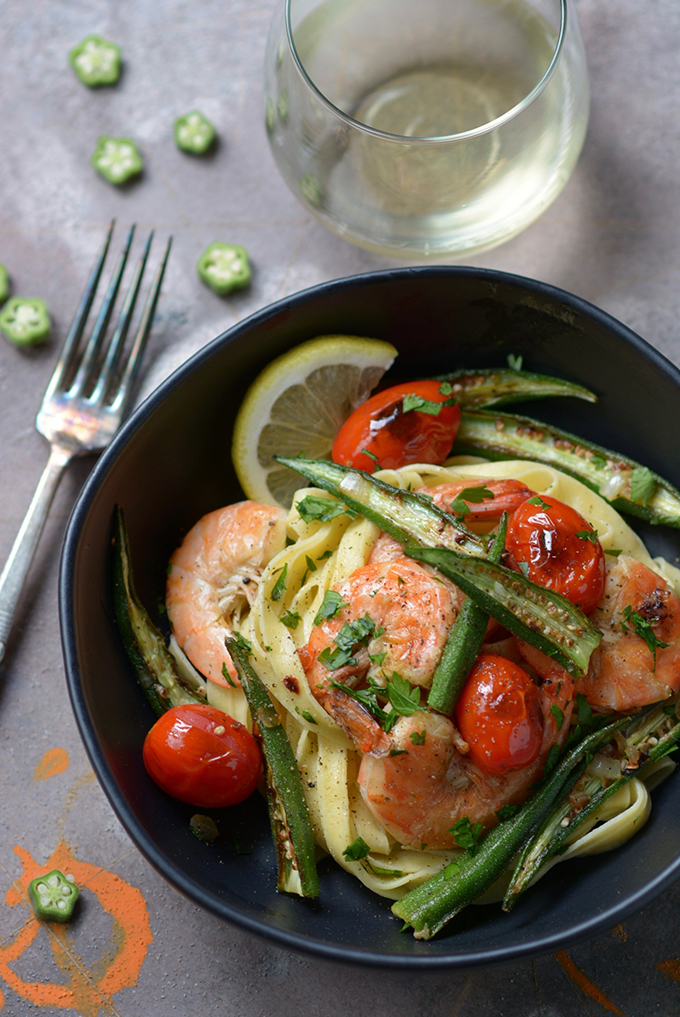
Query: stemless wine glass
428, 128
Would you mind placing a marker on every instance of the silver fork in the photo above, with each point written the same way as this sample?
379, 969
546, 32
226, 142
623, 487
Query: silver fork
85, 401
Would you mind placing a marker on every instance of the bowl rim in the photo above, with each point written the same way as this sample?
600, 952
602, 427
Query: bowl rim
176, 877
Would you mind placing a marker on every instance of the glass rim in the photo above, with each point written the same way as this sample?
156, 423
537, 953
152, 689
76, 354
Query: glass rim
474, 132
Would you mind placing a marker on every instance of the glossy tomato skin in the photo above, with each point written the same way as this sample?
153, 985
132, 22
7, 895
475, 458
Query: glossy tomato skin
201, 756
499, 716
396, 438
544, 537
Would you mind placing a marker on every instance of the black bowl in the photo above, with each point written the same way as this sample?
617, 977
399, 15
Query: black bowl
171, 463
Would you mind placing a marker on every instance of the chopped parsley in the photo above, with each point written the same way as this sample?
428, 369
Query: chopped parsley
515, 361
537, 500
446, 388
466, 835
227, 677
472, 495
359, 631
614, 551
331, 606
357, 850
404, 752
590, 535
524, 567
307, 716
291, 619
643, 629
313, 508
280, 584
311, 566
325, 555
404, 699
371, 455
415, 402
558, 715
418, 737
583, 710
242, 642
642, 484
378, 659
507, 812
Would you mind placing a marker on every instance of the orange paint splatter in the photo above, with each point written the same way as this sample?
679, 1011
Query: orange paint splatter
85, 991
670, 968
53, 762
619, 931
587, 987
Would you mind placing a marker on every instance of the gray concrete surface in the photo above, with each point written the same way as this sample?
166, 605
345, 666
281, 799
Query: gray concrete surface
612, 237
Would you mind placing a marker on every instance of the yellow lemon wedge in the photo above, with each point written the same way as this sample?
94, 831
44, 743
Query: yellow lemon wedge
297, 406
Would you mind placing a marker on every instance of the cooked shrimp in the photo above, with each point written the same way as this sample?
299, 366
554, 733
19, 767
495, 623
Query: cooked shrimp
412, 612
623, 674
213, 578
427, 783
508, 495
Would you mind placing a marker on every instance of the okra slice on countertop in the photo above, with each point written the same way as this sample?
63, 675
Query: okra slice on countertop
627, 485
53, 896
224, 268
194, 133
117, 159
288, 813
25, 321
495, 386
144, 645
96, 61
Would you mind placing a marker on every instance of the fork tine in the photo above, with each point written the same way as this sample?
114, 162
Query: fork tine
94, 343
114, 351
73, 336
132, 366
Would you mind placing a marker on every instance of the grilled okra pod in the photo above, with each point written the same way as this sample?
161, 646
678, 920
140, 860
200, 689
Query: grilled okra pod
624, 483
288, 812
405, 515
144, 645
431, 905
564, 820
495, 387
463, 642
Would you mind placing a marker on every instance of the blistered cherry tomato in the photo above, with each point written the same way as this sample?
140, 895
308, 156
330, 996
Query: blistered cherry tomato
380, 427
499, 716
200, 755
545, 537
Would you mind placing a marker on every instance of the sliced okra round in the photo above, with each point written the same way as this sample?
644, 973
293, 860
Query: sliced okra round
96, 61
194, 133
53, 896
224, 268
117, 159
25, 322
4, 284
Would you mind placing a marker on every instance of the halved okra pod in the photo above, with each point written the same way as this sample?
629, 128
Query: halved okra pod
505, 385
144, 645
628, 486
288, 812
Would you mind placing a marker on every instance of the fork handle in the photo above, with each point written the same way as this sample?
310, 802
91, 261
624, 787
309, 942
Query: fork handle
14, 573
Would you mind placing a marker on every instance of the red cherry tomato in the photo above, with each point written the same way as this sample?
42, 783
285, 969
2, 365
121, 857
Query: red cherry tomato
200, 755
395, 438
545, 538
499, 716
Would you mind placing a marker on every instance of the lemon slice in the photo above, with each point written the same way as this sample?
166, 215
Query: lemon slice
297, 405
